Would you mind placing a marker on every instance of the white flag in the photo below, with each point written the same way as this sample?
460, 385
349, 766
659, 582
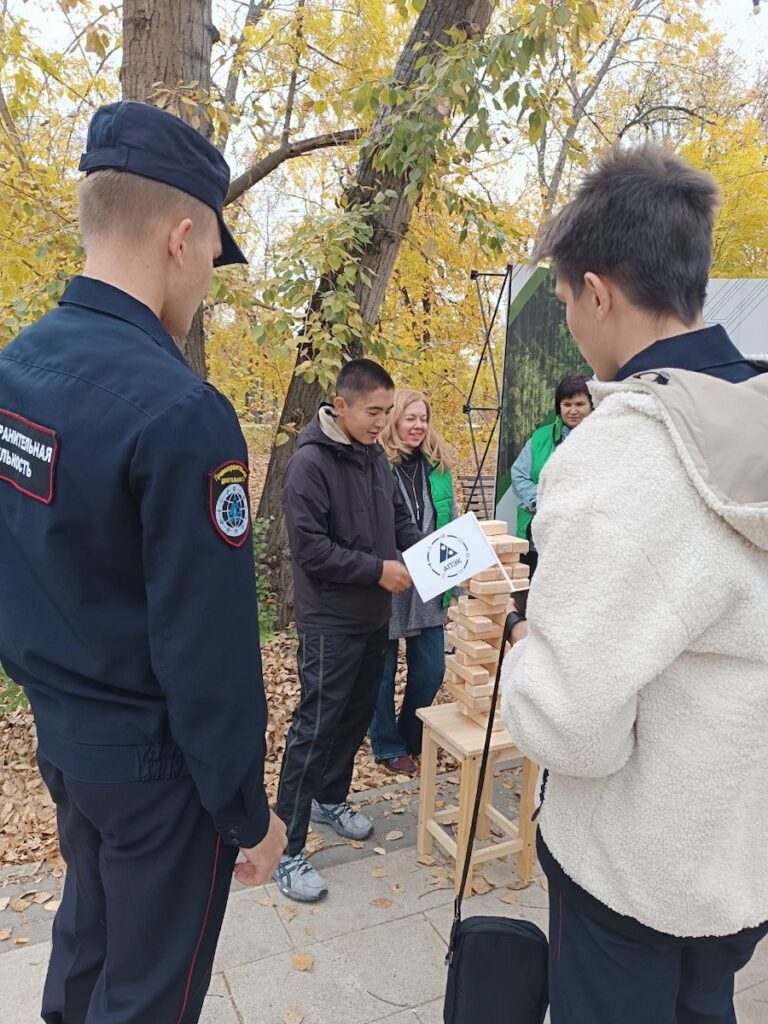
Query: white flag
449, 556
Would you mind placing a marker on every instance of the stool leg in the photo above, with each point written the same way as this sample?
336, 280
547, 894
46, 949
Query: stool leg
483, 821
470, 777
424, 839
526, 827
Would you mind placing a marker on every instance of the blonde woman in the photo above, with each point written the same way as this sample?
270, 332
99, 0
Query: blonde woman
422, 467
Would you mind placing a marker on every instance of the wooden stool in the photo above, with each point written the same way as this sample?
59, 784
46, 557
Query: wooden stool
445, 726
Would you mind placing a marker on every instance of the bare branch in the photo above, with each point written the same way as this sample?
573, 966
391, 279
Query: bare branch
294, 72
256, 10
288, 151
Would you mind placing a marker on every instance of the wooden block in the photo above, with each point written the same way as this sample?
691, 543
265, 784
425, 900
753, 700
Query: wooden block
470, 673
494, 573
481, 626
493, 527
451, 677
477, 704
474, 648
491, 658
494, 633
507, 544
521, 584
486, 690
498, 600
520, 571
496, 613
482, 719
493, 588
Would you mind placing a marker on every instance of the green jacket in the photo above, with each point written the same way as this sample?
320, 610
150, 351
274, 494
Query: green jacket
543, 443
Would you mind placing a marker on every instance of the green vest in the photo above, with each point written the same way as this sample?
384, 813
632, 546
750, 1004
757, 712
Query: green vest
441, 490
543, 443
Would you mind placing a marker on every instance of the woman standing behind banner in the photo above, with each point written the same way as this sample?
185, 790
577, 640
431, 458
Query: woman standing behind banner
422, 466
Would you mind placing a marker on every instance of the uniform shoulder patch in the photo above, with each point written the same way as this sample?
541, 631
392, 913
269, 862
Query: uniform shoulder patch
229, 504
28, 453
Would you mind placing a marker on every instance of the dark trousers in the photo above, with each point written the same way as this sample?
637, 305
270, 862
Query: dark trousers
597, 976
339, 678
145, 892
425, 657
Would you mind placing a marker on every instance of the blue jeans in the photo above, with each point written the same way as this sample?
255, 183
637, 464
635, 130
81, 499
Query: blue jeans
425, 658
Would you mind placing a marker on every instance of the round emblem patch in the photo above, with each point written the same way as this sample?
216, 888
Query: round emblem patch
229, 502
448, 556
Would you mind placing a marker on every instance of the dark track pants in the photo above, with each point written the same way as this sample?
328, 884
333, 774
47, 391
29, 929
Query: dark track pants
144, 897
339, 678
597, 976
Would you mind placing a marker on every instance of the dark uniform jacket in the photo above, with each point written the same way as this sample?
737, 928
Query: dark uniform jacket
345, 517
127, 592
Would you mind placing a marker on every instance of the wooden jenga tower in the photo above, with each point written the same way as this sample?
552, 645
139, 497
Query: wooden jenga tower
478, 623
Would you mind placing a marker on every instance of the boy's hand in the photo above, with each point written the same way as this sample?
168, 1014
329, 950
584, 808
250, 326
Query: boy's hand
395, 577
261, 860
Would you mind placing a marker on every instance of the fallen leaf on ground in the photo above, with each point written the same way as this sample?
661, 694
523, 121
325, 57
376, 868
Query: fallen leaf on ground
379, 850
314, 843
519, 883
382, 903
544, 883
507, 897
5, 934
4, 901
442, 883
439, 804
21, 941
392, 836
294, 1016
302, 962
265, 901
396, 890
508, 784
378, 873
357, 844
42, 897
426, 860
481, 885
19, 905
289, 913
52, 905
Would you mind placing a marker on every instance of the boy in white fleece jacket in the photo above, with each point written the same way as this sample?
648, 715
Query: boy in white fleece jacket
644, 688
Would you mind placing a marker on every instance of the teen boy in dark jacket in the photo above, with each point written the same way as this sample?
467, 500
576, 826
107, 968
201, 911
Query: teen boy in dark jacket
346, 521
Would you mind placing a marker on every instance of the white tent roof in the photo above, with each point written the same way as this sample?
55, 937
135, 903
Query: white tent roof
741, 306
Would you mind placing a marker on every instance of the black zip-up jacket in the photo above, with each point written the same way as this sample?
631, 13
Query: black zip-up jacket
345, 517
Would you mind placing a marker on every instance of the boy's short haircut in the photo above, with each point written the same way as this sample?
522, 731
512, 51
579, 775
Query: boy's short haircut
360, 376
112, 202
571, 385
644, 218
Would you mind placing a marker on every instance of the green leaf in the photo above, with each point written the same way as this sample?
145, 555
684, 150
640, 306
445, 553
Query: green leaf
562, 15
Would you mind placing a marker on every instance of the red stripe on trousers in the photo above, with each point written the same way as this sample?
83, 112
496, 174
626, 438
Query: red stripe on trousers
202, 932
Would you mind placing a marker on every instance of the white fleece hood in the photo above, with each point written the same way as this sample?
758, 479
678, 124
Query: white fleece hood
720, 431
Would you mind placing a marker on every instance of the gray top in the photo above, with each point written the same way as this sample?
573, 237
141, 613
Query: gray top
410, 615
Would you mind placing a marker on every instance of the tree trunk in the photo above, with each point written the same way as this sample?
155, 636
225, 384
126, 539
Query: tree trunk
378, 259
168, 46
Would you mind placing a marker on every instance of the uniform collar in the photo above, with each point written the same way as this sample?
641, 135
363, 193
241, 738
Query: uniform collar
703, 350
104, 298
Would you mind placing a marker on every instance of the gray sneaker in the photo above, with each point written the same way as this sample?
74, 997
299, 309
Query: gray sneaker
298, 880
343, 819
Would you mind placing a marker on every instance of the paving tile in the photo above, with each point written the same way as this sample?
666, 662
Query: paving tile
441, 918
218, 1010
431, 1013
250, 931
756, 970
752, 1005
365, 977
22, 973
352, 889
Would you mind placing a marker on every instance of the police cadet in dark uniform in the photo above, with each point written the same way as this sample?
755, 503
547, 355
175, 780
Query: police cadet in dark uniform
127, 591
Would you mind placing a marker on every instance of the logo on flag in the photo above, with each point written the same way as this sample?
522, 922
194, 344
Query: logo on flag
448, 556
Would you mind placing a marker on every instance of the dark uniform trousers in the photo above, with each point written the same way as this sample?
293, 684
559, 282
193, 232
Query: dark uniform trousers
340, 677
146, 888
598, 976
